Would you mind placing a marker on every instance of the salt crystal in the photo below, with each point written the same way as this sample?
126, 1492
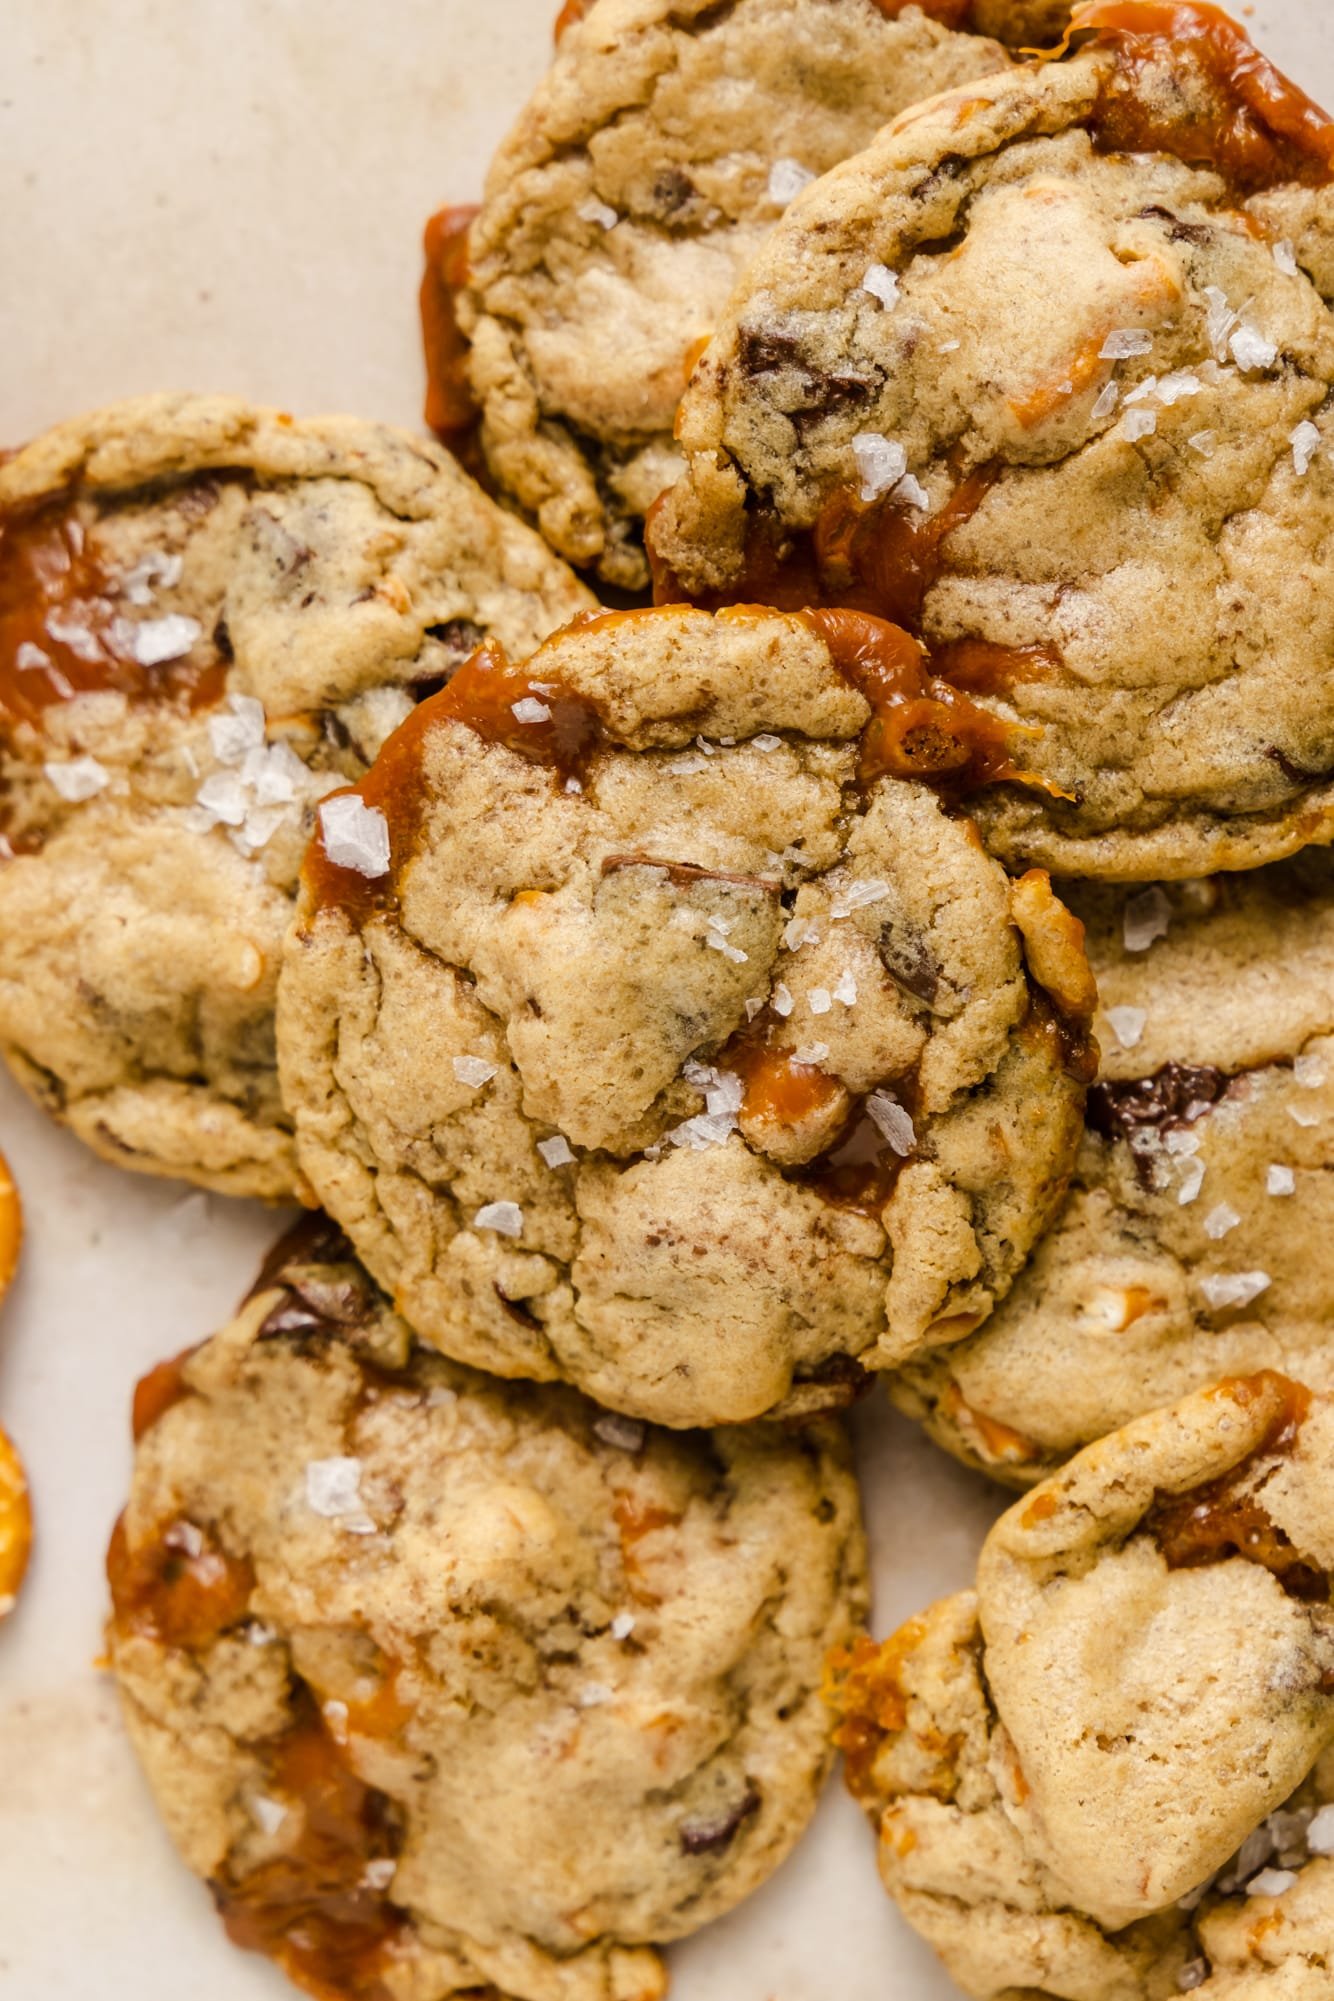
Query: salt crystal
625, 1433
685, 767
593, 1694
505, 1218
474, 1071
29, 656
268, 1815
1141, 393
597, 211
530, 710
79, 779
222, 799
811, 1052
882, 284
1302, 1115
1309, 1072
185, 1537
799, 931
1107, 401
1138, 424
754, 1006
1250, 349
1320, 1834
881, 462
1178, 1142
1280, 1181
379, 1872
857, 896
1221, 1218
949, 347
912, 493
1181, 383
1285, 256
782, 1002
766, 742
152, 571
157, 640
1147, 917
892, 1122
356, 836
709, 749
1234, 1288
1219, 320
1305, 442
333, 1490
83, 644
556, 1151
846, 990
243, 730
1127, 1024
717, 940
1202, 442
1271, 1883
787, 178
703, 1131
1192, 1975
1123, 342
622, 1625
820, 1000
1191, 1180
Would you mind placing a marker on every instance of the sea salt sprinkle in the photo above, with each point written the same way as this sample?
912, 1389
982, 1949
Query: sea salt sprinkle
1304, 1116
1234, 1288
1138, 424
355, 835
1309, 1071
1145, 919
1305, 442
1280, 1181
1108, 399
505, 1218
597, 211
622, 1625
880, 461
892, 1122
1127, 1024
529, 710
333, 1490
1221, 1218
556, 1151
154, 641
1271, 1883
268, 1815
810, 1052
781, 1000
846, 988
1251, 350
1203, 443
766, 742
716, 936
474, 1071
1219, 320
819, 1000
882, 284
625, 1433
1285, 256
1123, 342
858, 895
787, 178
723, 1093
1320, 1833
379, 1872
78, 779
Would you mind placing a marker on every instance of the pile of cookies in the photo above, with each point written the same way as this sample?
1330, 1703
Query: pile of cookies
903, 950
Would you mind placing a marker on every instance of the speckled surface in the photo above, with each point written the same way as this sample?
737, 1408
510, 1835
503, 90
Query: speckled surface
230, 195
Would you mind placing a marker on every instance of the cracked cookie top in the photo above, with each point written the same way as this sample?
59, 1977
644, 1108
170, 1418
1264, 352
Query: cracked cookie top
209, 615
1106, 1773
1044, 374
1193, 1238
387, 1632
644, 1027
651, 162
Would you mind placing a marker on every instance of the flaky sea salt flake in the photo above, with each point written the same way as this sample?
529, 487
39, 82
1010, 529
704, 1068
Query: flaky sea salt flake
882, 284
1309, 1071
622, 1625
78, 779
766, 742
474, 1071
1280, 1181
781, 1001
1221, 1218
787, 178
1127, 1024
810, 1052
625, 1433
1123, 342
1146, 918
1234, 1288
1285, 256
1251, 351
1305, 442
892, 1122
880, 461
597, 211
529, 710
556, 1151
1108, 398
505, 1218
1203, 442
858, 895
912, 493
333, 1490
1137, 424
156, 640
846, 988
1271, 1883
355, 835
1320, 1833
820, 1000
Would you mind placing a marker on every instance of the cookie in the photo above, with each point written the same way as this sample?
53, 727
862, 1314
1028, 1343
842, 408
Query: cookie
645, 1029
1194, 1237
651, 162
388, 1634
1040, 374
1106, 1775
209, 615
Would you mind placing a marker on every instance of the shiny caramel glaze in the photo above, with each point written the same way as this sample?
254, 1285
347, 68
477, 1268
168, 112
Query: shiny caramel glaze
775, 1085
159, 1391
1224, 1518
311, 1908
1265, 131
860, 1170
162, 1591
59, 596
450, 409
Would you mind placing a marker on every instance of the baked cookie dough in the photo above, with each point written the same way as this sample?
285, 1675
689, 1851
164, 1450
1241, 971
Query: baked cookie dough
651, 1032
209, 615
1107, 1774
1077, 435
649, 165
451, 1687
1195, 1239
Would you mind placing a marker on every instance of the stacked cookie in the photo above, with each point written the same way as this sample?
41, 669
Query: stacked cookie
672, 1013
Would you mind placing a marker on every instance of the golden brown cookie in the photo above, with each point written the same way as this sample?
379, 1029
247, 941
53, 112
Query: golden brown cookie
644, 1028
454, 1687
209, 616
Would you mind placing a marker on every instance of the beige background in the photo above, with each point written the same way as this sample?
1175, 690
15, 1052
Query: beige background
229, 194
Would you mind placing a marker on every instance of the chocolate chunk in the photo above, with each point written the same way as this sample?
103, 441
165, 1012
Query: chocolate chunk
905, 957
1177, 230
761, 349
1176, 1095
459, 636
672, 190
708, 1837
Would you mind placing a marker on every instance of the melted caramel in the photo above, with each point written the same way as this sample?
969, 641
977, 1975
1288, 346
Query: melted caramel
776, 1086
164, 1592
450, 409
158, 1391
864, 1688
483, 694
859, 1171
60, 604
1222, 1519
310, 1909
1264, 131
883, 555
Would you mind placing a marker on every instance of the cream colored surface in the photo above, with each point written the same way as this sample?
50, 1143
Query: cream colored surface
279, 157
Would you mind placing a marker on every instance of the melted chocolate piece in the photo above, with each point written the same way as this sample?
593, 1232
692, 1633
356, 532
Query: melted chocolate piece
450, 411
904, 956
1176, 1095
711, 1837
682, 873
180, 1588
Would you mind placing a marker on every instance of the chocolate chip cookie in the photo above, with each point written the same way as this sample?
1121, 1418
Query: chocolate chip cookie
209, 615
453, 1687
1041, 374
644, 1027
1194, 1236
1107, 1774
650, 164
